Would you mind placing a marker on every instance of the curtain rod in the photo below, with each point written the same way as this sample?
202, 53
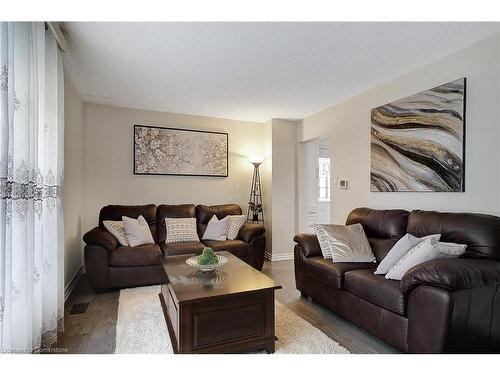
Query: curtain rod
58, 34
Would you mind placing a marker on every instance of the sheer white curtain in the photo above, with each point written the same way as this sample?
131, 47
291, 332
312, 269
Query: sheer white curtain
31, 176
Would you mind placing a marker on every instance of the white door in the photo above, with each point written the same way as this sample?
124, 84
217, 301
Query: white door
314, 184
323, 182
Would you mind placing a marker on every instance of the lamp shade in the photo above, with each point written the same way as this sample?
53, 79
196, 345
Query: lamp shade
256, 159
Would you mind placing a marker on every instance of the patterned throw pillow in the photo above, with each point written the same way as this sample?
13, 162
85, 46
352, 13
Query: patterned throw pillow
235, 224
323, 240
117, 229
181, 230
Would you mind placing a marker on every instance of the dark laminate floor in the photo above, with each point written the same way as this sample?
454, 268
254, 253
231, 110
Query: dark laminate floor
95, 331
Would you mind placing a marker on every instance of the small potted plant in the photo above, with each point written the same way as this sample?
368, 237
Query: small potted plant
256, 208
207, 261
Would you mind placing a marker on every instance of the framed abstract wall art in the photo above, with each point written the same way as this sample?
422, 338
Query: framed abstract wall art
180, 152
418, 143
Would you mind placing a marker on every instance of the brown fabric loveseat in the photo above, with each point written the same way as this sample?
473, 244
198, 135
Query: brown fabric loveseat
445, 305
110, 265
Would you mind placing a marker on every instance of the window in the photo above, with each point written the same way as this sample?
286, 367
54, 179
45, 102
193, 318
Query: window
324, 179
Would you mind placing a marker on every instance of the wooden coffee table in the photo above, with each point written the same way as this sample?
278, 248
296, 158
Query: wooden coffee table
229, 311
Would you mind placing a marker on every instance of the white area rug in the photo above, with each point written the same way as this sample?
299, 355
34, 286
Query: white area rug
141, 327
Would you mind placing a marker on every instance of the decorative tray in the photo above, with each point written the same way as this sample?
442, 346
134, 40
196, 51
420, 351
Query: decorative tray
193, 262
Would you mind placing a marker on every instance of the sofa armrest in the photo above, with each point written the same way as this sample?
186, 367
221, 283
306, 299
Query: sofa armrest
452, 274
309, 244
100, 236
249, 231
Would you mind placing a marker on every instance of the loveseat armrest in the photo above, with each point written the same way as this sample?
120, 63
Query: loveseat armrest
308, 244
250, 231
452, 274
100, 236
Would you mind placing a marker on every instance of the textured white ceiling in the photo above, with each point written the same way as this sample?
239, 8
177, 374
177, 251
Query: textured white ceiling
250, 71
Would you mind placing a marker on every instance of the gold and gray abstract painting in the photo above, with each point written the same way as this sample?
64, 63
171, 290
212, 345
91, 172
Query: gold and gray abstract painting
417, 143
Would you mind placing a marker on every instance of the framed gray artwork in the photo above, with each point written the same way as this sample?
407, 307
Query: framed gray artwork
180, 152
418, 143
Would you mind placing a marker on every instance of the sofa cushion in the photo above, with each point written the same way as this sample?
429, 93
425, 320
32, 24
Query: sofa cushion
172, 211
382, 227
331, 273
376, 289
480, 232
380, 223
235, 247
181, 248
144, 255
205, 213
381, 246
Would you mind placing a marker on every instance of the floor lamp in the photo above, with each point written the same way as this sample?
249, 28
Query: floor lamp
255, 210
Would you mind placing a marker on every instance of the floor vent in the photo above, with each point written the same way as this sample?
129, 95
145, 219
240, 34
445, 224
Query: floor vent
79, 308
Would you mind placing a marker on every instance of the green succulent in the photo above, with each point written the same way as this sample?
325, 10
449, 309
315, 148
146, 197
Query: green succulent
207, 257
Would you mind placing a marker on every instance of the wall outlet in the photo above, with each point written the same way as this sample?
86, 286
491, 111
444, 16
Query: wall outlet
344, 184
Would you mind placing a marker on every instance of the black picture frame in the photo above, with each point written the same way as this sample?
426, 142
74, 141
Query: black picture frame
135, 172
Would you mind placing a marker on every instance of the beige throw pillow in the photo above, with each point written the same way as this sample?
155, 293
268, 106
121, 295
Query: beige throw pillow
181, 230
137, 231
117, 229
347, 243
235, 224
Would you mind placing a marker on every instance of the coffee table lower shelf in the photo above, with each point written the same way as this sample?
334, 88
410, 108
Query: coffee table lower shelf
233, 323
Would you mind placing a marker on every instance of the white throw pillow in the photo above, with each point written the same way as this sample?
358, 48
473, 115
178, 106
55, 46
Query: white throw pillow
424, 252
399, 249
181, 230
137, 231
235, 224
216, 229
347, 243
117, 229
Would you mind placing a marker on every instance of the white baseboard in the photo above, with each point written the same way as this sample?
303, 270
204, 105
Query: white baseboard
277, 257
69, 288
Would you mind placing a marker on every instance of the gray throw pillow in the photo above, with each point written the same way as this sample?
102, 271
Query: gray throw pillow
137, 231
401, 247
347, 243
216, 229
425, 251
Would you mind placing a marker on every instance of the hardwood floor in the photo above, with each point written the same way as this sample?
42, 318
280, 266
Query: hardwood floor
95, 330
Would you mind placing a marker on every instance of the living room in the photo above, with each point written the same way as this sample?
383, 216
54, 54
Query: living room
242, 187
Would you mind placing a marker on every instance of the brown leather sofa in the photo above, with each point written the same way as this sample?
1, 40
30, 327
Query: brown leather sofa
445, 305
110, 265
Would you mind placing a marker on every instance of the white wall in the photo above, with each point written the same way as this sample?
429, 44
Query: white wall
347, 124
73, 182
267, 184
284, 181
108, 161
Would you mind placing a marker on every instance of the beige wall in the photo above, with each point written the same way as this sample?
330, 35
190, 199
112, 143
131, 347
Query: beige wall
347, 124
108, 161
73, 182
